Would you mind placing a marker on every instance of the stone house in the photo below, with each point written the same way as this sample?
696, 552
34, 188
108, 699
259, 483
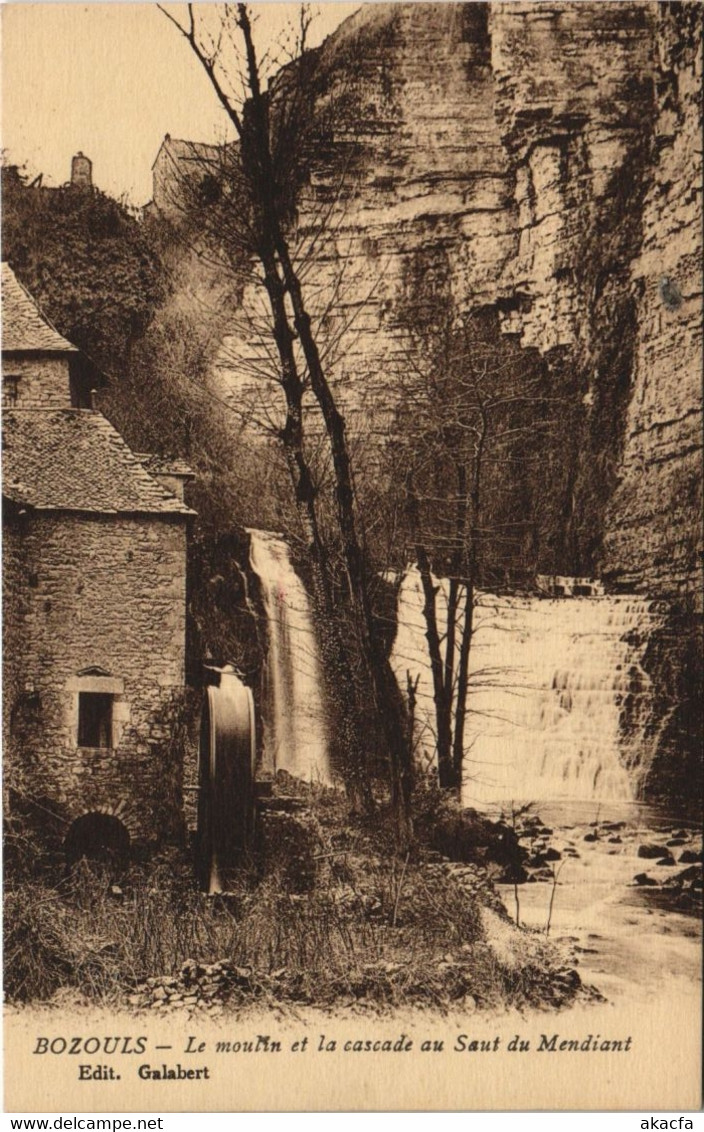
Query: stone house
94, 602
184, 172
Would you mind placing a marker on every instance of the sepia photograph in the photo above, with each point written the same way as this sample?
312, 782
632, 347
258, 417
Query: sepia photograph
352, 556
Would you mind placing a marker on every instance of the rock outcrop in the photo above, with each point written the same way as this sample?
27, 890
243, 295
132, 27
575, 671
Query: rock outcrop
653, 520
542, 161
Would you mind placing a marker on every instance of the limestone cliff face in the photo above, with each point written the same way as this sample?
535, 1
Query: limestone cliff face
574, 102
542, 160
423, 214
653, 530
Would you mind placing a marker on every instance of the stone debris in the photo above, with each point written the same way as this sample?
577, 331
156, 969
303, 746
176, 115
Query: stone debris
683, 885
202, 986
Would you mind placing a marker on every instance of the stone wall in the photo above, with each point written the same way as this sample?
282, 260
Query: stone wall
16, 698
43, 382
103, 608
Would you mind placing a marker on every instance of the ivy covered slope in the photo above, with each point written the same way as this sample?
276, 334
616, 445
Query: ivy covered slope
121, 290
91, 266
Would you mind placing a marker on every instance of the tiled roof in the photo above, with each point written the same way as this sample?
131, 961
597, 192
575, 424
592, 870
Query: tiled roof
24, 327
74, 460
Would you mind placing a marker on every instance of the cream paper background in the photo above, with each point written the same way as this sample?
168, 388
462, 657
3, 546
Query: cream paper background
660, 1073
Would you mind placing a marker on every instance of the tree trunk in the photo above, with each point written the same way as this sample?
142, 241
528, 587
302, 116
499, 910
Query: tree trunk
462, 688
388, 703
335, 654
281, 280
441, 699
472, 558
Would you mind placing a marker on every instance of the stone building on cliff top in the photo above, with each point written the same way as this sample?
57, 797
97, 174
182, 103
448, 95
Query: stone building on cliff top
94, 603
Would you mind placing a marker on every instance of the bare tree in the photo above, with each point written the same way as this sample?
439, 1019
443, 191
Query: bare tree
472, 409
267, 137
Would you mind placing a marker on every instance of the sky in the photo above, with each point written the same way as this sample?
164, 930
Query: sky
110, 79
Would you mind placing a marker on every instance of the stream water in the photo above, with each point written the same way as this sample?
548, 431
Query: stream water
630, 940
559, 713
560, 720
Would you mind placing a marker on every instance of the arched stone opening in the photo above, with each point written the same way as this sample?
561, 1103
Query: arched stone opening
101, 837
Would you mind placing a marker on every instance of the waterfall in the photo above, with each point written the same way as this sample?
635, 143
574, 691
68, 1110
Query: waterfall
558, 703
294, 718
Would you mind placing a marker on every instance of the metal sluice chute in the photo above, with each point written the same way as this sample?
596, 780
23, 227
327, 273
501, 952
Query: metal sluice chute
225, 778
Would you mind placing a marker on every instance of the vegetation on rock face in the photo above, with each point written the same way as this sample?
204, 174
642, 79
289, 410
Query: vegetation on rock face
479, 406
107, 283
605, 356
89, 264
114, 287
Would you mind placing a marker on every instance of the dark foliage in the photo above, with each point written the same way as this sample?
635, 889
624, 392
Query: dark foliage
91, 266
151, 315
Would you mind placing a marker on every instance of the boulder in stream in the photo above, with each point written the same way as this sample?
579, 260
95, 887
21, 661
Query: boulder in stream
651, 851
466, 835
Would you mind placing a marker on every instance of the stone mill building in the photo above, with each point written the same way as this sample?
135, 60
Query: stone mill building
94, 602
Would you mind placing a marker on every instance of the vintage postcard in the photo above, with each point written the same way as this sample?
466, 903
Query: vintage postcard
352, 549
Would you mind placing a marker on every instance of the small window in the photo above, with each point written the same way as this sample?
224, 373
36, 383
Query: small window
94, 719
10, 389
